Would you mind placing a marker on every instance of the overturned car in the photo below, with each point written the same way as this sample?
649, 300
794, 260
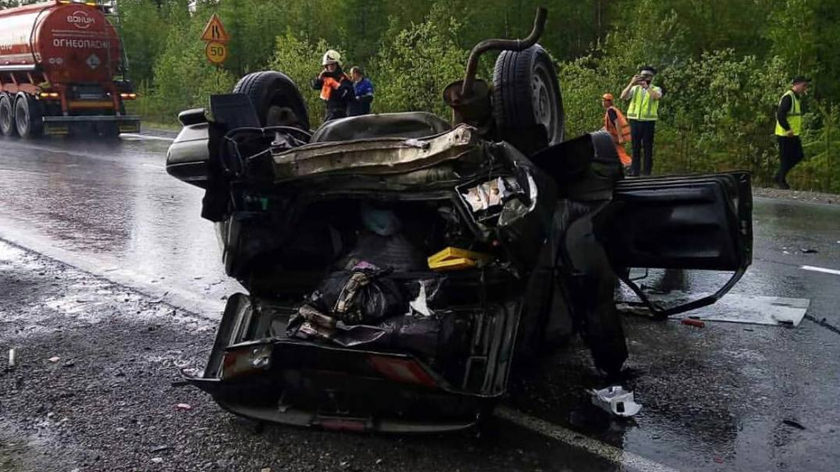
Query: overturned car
400, 266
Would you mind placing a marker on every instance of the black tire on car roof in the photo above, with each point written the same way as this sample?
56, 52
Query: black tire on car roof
527, 97
276, 99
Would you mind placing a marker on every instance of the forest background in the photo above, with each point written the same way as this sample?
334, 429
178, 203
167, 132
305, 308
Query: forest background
723, 64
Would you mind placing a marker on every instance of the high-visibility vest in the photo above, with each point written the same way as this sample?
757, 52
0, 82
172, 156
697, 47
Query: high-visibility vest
329, 85
794, 116
624, 126
642, 106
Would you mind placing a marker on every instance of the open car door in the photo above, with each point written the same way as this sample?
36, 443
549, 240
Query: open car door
701, 222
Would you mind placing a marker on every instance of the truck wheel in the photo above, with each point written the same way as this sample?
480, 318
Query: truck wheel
527, 103
108, 129
28, 117
7, 116
276, 99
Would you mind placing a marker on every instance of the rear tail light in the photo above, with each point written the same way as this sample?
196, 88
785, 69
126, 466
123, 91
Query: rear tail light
49, 95
246, 361
402, 370
128, 96
355, 425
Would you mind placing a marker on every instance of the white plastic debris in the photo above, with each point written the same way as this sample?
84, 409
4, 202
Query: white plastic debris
54, 359
616, 400
11, 358
419, 304
491, 193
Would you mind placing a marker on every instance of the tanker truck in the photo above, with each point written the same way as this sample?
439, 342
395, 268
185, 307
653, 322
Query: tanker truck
62, 71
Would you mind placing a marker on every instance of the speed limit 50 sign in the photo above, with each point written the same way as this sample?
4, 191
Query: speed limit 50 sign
216, 53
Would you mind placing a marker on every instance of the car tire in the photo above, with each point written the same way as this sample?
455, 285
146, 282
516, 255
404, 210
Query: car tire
7, 116
527, 102
276, 99
28, 117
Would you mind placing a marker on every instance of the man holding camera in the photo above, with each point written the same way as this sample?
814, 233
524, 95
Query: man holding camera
642, 113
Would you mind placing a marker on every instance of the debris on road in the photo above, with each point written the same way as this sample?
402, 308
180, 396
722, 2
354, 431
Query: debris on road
11, 358
54, 359
794, 424
736, 308
160, 449
693, 322
808, 251
157, 460
183, 406
616, 400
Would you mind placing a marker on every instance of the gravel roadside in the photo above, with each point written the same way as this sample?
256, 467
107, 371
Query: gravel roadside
797, 195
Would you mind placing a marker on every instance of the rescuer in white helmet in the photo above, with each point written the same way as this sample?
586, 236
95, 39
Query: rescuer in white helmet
336, 88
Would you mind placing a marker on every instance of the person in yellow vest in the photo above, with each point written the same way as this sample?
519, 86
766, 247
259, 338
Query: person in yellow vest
618, 127
643, 112
336, 88
788, 128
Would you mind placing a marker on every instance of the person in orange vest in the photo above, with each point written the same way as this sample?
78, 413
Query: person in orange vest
616, 124
336, 88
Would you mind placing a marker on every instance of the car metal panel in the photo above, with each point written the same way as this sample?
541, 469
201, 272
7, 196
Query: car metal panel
374, 156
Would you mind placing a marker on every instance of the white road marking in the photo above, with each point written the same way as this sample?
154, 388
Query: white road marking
592, 446
821, 269
141, 137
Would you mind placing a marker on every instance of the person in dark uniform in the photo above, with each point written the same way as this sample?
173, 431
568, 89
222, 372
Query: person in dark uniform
788, 128
364, 93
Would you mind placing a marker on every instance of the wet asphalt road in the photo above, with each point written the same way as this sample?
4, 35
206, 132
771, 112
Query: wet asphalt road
725, 397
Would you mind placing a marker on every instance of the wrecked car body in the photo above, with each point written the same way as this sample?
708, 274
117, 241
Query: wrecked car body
399, 266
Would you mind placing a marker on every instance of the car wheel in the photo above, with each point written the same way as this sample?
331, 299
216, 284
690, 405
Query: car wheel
276, 99
527, 103
7, 116
28, 117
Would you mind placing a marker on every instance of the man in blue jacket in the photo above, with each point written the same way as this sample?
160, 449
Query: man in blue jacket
364, 93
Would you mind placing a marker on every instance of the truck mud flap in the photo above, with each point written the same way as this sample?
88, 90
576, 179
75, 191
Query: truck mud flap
701, 222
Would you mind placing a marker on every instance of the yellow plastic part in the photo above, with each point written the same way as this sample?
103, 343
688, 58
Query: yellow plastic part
453, 264
455, 253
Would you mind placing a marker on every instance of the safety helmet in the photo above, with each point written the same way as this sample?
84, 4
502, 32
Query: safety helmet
331, 57
608, 96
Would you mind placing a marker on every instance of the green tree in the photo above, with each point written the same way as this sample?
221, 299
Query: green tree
413, 68
136, 19
183, 77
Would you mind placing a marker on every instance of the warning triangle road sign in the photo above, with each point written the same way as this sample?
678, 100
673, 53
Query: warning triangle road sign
214, 31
